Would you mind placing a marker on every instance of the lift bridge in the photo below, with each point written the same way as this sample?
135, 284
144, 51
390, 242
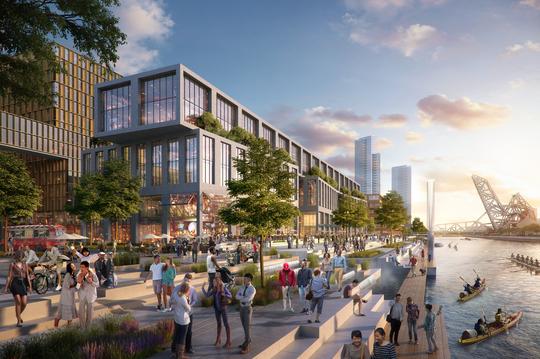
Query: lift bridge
517, 213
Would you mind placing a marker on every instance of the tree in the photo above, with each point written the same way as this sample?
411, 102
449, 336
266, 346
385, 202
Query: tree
28, 31
392, 214
118, 192
356, 193
86, 201
262, 196
417, 226
350, 213
20, 197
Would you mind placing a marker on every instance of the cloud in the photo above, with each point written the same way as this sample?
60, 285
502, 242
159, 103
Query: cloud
382, 143
347, 116
342, 161
455, 180
414, 137
527, 45
145, 22
461, 114
532, 3
376, 5
391, 121
410, 39
422, 160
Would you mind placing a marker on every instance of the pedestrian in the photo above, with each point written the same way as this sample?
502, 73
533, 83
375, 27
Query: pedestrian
412, 263
211, 266
194, 250
30, 257
239, 253
156, 271
303, 279
339, 266
17, 282
326, 268
67, 310
357, 349
103, 268
167, 282
245, 296
222, 298
182, 308
287, 279
193, 299
289, 242
382, 349
423, 254
255, 252
429, 327
325, 245
412, 316
318, 290
51, 257
396, 316
10, 246
347, 293
87, 283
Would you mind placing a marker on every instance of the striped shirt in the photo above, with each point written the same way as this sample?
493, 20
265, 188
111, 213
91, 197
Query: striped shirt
385, 351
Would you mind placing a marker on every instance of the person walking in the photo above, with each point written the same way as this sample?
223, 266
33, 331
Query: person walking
255, 252
412, 263
67, 310
287, 280
357, 349
318, 289
326, 267
382, 349
222, 298
17, 283
167, 282
156, 271
429, 327
357, 300
245, 296
396, 317
303, 279
412, 316
339, 266
87, 283
194, 250
182, 308
211, 266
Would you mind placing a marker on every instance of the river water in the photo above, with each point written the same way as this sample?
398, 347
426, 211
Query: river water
510, 287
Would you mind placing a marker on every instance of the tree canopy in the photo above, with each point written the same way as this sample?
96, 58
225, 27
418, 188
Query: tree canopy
28, 29
20, 197
417, 226
392, 213
350, 213
86, 200
262, 195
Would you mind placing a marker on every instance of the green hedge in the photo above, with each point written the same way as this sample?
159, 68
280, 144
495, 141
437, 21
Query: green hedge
271, 252
396, 245
365, 254
126, 258
366, 265
285, 255
198, 267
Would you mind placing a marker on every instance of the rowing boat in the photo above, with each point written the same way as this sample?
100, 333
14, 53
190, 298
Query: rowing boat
528, 265
470, 336
463, 296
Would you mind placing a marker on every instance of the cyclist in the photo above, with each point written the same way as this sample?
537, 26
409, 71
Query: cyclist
51, 258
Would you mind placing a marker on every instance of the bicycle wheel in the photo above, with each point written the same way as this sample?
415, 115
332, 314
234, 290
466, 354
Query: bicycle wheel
40, 284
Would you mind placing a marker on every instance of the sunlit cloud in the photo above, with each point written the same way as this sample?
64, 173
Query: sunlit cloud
414, 137
382, 143
461, 114
347, 116
532, 3
526, 46
391, 121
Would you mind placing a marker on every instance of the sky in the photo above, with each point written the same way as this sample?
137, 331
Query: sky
450, 87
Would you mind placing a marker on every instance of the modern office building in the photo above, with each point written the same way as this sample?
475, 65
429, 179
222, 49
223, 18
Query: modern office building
401, 183
362, 163
375, 173
50, 138
149, 119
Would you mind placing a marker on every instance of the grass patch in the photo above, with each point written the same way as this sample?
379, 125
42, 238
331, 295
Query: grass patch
271, 252
365, 254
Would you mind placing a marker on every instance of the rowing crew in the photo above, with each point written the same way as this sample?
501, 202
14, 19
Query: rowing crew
526, 260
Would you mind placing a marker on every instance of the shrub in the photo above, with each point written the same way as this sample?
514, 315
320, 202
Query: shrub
12, 350
365, 254
285, 255
351, 263
365, 265
396, 245
126, 258
198, 267
249, 268
271, 252
313, 260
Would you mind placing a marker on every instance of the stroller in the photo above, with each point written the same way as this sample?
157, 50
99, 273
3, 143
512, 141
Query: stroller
227, 277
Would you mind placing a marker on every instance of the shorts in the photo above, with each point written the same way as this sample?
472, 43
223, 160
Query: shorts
157, 285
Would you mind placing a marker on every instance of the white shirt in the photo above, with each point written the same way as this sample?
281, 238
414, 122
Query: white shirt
397, 311
157, 271
210, 266
87, 290
181, 308
91, 258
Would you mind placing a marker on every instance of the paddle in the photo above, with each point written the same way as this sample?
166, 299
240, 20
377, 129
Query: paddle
485, 321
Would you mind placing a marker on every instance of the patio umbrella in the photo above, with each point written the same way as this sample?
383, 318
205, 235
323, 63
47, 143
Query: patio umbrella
151, 236
77, 236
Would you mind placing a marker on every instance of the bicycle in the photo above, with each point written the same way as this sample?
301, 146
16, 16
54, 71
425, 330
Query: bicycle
45, 279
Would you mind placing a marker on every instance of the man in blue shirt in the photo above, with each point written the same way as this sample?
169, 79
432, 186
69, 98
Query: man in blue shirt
245, 296
339, 265
303, 279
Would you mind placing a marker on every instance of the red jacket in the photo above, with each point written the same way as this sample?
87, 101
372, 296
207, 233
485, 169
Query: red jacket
287, 274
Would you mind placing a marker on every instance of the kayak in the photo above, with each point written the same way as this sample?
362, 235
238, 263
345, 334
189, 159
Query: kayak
463, 296
470, 336
528, 265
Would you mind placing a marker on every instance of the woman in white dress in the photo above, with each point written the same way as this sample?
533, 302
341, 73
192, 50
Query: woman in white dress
67, 310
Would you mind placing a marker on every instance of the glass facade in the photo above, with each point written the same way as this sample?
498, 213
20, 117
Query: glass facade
174, 162
126, 155
225, 113
295, 153
211, 204
249, 124
183, 214
99, 161
156, 165
111, 154
87, 163
141, 163
192, 157
208, 160
306, 162
268, 135
196, 100
295, 183
225, 163
283, 143
158, 100
150, 216
116, 108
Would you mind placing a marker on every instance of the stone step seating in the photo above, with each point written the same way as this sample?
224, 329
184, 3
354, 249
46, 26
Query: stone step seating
305, 339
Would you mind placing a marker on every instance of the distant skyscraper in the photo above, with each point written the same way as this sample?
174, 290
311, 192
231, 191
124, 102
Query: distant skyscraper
362, 163
376, 173
401, 183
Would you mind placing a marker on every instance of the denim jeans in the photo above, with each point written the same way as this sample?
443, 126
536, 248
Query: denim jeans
430, 336
302, 293
411, 324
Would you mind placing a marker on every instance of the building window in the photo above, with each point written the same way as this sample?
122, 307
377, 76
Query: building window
192, 157
306, 162
87, 164
111, 154
283, 143
126, 154
225, 113
295, 183
156, 165
208, 160
158, 100
295, 150
225, 163
268, 135
116, 108
99, 161
141, 164
249, 124
195, 100
174, 162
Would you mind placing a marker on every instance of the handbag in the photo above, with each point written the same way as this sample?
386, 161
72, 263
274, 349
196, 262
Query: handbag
389, 317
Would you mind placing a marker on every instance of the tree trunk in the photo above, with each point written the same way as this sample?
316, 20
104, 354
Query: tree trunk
5, 230
261, 261
116, 226
91, 241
